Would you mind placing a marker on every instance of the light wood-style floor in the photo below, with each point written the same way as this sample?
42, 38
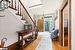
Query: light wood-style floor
34, 44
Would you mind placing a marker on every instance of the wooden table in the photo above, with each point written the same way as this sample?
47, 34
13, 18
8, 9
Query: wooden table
22, 33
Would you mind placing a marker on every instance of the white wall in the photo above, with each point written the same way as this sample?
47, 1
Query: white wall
73, 24
57, 20
8, 27
57, 23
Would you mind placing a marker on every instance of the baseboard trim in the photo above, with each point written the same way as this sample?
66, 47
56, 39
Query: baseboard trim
12, 46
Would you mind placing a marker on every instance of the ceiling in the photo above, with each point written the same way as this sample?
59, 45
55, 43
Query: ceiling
48, 6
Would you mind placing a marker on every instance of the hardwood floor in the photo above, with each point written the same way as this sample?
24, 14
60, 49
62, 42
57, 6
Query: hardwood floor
34, 44
56, 46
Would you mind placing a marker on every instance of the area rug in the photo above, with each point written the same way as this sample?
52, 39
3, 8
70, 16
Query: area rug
45, 43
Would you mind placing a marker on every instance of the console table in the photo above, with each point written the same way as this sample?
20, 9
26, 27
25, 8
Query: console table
23, 33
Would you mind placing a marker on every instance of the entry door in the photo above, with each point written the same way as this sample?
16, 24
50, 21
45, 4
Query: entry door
47, 25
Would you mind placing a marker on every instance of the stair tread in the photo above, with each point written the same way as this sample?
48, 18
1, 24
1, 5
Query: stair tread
17, 16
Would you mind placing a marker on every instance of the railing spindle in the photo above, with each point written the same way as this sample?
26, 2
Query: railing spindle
15, 4
20, 9
12, 3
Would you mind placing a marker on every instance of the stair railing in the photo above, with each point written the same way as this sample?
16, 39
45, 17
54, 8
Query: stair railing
22, 11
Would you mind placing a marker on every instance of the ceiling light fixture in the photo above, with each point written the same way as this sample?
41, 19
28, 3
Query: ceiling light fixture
35, 6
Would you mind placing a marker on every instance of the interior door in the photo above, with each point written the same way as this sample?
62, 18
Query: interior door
40, 23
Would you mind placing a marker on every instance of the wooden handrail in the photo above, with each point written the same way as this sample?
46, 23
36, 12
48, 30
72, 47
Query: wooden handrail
26, 11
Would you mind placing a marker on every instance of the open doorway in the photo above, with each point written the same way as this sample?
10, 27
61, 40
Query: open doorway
48, 24
65, 24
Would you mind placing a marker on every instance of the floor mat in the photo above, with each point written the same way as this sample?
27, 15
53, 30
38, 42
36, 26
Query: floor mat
45, 43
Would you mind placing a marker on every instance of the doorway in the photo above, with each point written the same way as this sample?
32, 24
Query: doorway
65, 24
48, 24
40, 25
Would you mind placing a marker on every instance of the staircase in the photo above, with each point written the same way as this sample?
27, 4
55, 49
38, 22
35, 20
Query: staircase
21, 11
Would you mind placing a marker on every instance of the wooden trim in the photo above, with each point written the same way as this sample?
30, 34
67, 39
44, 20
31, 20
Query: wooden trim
65, 2
60, 29
13, 46
62, 17
69, 2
